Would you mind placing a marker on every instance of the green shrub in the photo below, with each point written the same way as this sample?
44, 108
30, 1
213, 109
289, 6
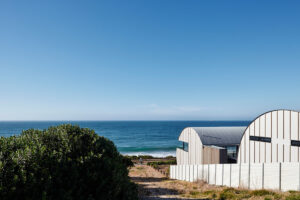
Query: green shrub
167, 162
63, 162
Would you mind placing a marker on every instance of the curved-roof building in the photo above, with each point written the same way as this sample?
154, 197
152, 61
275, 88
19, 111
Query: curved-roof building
272, 137
205, 145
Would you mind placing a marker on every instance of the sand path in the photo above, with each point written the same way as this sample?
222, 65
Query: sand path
154, 185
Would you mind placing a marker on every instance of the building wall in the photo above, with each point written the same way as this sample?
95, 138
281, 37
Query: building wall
212, 155
281, 126
197, 153
193, 156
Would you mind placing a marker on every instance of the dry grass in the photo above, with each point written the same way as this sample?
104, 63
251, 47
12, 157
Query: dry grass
154, 185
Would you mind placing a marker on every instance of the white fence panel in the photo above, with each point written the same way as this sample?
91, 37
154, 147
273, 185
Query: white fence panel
284, 176
191, 174
235, 175
172, 172
187, 173
212, 174
271, 176
289, 176
180, 170
219, 174
200, 172
195, 175
256, 176
226, 175
205, 173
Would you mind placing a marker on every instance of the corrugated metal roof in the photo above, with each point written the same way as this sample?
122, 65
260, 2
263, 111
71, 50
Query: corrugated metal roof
220, 136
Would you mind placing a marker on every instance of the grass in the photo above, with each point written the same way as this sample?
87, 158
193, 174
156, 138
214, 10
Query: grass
221, 193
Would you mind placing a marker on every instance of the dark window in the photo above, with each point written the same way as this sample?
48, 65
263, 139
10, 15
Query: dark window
185, 146
295, 143
231, 153
260, 139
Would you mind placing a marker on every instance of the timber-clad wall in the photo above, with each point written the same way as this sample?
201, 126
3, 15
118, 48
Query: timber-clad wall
280, 126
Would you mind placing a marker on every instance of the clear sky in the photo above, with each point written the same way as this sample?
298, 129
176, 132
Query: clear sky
148, 60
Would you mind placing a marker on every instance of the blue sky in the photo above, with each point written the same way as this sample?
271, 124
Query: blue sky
148, 60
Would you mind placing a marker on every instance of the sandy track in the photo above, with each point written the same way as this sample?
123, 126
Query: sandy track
154, 185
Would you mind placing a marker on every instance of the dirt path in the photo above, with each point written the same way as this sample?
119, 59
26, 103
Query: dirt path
154, 185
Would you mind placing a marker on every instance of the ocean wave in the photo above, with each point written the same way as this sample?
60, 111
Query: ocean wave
147, 149
154, 154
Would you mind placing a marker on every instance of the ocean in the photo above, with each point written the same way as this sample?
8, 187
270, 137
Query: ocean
156, 138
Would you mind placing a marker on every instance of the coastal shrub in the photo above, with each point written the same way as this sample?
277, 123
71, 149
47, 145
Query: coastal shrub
167, 162
63, 162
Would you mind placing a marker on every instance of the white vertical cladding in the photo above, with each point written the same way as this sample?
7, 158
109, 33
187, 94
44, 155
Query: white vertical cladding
287, 135
294, 136
179, 172
281, 126
195, 175
262, 133
244, 175
187, 173
257, 144
247, 144
199, 172
193, 155
256, 176
235, 175
212, 174
252, 150
289, 176
219, 174
268, 149
274, 134
205, 173
271, 176
191, 174
226, 175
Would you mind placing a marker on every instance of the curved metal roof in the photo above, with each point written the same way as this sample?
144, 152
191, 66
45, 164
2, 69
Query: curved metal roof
220, 136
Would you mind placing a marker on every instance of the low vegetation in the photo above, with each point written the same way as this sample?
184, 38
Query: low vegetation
155, 164
63, 162
222, 193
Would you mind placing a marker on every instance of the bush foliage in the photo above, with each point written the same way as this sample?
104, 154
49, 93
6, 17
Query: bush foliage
63, 162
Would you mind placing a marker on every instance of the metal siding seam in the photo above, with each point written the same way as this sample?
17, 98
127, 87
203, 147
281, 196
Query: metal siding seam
259, 143
230, 176
240, 174
290, 149
215, 174
277, 151
299, 177
282, 152
265, 136
280, 176
263, 175
254, 145
208, 174
249, 167
222, 174
244, 149
283, 125
277, 124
